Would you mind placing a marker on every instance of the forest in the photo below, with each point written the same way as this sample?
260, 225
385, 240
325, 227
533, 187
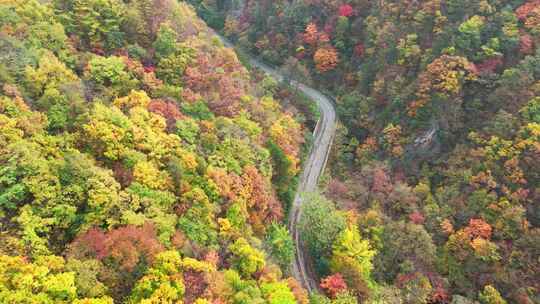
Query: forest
142, 161
433, 184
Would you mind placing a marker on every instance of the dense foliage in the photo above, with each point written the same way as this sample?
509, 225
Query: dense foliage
140, 162
436, 163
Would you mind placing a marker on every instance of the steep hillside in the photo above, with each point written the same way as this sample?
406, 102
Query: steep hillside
436, 164
140, 162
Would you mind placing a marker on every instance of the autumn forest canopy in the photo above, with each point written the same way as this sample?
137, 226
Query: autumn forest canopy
142, 161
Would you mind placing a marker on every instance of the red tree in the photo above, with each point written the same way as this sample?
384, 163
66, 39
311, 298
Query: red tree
333, 285
523, 11
122, 174
346, 10
359, 50
169, 110
131, 245
126, 246
90, 244
263, 207
337, 189
381, 182
489, 65
526, 44
213, 76
417, 218
196, 286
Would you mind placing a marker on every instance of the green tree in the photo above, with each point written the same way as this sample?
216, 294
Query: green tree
531, 112
281, 244
320, 225
278, 293
87, 274
171, 68
470, 33
97, 22
50, 74
246, 259
111, 72
165, 43
198, 223
342, 41
490, 295
404, 245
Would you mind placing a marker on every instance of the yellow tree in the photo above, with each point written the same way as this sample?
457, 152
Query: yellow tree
352, 256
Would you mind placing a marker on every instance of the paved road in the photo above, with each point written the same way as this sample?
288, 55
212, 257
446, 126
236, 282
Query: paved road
313, 166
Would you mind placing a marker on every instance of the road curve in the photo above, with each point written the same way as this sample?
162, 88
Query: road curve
313, 166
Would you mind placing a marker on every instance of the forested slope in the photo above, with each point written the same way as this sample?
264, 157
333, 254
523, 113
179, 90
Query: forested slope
435, 170
140, 162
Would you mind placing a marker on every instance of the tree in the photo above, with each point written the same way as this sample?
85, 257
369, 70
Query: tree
144, 18
51, 74
188, 130
469, 39
127, 247
490, 295
320, 225
125, 251
198, 222
478, 228
525, 44
467, 254
96, 22
165, 43
148, 175
333, 285
415, 288
108, 132
352, 257
87, 277
281, 244
445, 76
286, 133
262, 205
529, 14
134, 99
409, 50
162, 282
346, 10
342, 37
531, 111
391, 140
111, 72
404, 244
326, 59
311, 34
300, 294
345, 298
45, 281
246, 259
169, 110
278, 293
171, 68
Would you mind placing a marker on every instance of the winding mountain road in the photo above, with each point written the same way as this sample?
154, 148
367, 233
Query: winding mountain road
313, 166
